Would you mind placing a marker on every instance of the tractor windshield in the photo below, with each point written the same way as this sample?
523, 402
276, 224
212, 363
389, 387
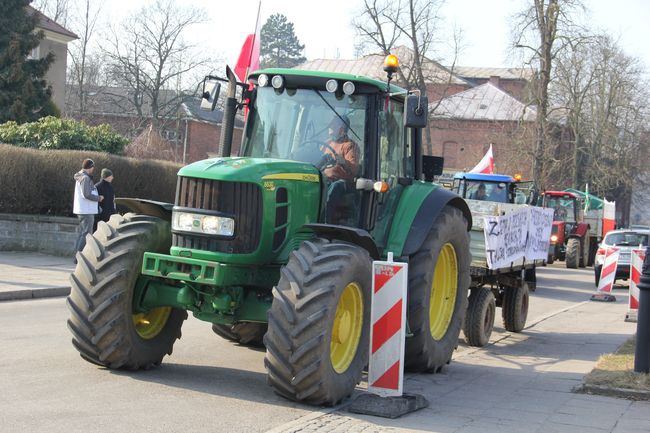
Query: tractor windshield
297, 124
563, 208
483, 190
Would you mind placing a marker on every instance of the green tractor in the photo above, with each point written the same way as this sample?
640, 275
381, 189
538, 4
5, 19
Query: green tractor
275, 246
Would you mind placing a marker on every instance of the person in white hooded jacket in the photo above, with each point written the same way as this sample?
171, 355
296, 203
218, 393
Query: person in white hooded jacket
86, 201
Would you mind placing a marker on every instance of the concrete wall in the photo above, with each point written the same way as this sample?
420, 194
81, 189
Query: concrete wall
45, 234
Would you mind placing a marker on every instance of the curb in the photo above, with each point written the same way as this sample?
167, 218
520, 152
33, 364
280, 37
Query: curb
626, 393
47, 292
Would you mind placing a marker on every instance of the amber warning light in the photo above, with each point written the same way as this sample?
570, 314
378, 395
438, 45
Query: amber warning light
391, 63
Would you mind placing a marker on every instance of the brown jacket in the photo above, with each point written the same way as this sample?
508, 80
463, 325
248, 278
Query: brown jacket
349, 151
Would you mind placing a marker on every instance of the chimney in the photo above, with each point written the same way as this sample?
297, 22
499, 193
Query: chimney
494, 80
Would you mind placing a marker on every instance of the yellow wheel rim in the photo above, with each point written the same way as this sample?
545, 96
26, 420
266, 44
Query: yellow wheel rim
346, 330
443, 292
148, 325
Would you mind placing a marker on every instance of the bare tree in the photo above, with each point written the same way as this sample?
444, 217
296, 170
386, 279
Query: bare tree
85, 66
384, 25
543, 29
149, 57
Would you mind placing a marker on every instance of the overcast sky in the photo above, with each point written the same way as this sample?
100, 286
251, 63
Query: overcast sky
327, 32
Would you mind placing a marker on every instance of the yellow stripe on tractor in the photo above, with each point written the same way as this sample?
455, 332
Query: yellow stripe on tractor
307, 177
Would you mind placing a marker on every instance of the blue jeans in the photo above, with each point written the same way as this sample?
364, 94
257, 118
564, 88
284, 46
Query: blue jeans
85, 227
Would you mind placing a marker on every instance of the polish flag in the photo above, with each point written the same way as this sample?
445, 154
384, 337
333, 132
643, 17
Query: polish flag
486, 165
249, 57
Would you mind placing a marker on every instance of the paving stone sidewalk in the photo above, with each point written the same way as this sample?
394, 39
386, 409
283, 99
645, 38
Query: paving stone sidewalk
27, 275
522, 383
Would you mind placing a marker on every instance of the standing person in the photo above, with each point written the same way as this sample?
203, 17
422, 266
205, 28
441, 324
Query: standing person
86, 199
105, 189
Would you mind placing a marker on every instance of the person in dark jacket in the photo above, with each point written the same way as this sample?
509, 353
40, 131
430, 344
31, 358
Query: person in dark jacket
105, 188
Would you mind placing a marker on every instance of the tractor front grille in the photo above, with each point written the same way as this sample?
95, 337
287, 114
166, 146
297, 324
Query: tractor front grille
241, 199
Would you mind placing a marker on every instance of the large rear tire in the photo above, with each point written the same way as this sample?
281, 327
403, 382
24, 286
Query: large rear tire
573, 253
244, 333
439, 277
104, 328
317, 341
515, 307
479, 321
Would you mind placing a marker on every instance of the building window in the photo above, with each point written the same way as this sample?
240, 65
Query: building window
35, 53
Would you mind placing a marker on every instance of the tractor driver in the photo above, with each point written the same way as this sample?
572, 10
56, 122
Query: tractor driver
480, 193
559, 212
340, 165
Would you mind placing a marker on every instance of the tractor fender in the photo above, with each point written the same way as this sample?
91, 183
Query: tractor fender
580, 231
352, 235
146, 207
426, 215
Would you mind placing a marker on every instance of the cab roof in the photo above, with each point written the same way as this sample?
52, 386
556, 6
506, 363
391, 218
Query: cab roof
485, 177
324, 75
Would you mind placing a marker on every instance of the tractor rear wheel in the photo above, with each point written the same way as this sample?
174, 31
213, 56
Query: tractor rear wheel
480, 317
573, 253
244, 333
317, 340
437, 292
105, 330
515, 307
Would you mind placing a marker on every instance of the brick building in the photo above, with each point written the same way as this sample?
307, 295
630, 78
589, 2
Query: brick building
192, 134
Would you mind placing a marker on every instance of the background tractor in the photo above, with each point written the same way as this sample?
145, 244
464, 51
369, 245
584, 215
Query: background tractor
267, 246
507, 287
576, 233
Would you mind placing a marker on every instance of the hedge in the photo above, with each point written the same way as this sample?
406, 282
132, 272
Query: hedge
41, 181
54, 133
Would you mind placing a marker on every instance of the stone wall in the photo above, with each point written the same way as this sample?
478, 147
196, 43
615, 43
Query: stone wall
45, 234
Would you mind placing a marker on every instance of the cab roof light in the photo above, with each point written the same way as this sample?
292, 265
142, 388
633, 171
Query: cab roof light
391, 63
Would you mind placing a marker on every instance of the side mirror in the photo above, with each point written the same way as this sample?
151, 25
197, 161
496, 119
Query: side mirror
432, 166
416, 111
211, 89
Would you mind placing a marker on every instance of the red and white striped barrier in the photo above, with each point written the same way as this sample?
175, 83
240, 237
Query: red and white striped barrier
608, 271
607, 276
387, 333
636, 267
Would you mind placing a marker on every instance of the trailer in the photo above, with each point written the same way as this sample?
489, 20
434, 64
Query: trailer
496, 283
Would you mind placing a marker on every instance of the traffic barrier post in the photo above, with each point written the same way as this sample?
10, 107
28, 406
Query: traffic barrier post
636, 267
607, 277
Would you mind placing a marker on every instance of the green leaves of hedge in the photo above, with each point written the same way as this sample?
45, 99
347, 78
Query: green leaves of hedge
55, 133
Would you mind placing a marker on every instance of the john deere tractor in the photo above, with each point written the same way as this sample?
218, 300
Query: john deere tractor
268, 247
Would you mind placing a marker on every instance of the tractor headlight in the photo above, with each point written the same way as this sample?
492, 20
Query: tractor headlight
553, 238
205, 224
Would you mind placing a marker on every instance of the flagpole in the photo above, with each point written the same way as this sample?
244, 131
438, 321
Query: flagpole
257, 22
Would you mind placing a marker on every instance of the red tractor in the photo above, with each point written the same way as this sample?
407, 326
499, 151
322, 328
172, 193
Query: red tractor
572, 239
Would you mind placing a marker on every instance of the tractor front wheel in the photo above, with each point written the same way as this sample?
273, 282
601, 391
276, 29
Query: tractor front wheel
244, 333
439, 276
573, 253
318, 329
105, 329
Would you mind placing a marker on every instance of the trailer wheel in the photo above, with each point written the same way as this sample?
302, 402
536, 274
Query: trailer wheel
551, 259
104, 328
515, 307
480, 317
573, 252
593, 248
439, 277
317, 341
584, 253
244, 333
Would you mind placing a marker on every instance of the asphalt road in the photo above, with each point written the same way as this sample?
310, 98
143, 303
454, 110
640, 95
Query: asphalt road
208, 384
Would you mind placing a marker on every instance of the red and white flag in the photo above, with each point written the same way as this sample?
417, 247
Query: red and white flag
249, 57
486, 165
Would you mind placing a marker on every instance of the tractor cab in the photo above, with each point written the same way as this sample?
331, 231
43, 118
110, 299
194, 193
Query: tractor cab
565, 205
493, 187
